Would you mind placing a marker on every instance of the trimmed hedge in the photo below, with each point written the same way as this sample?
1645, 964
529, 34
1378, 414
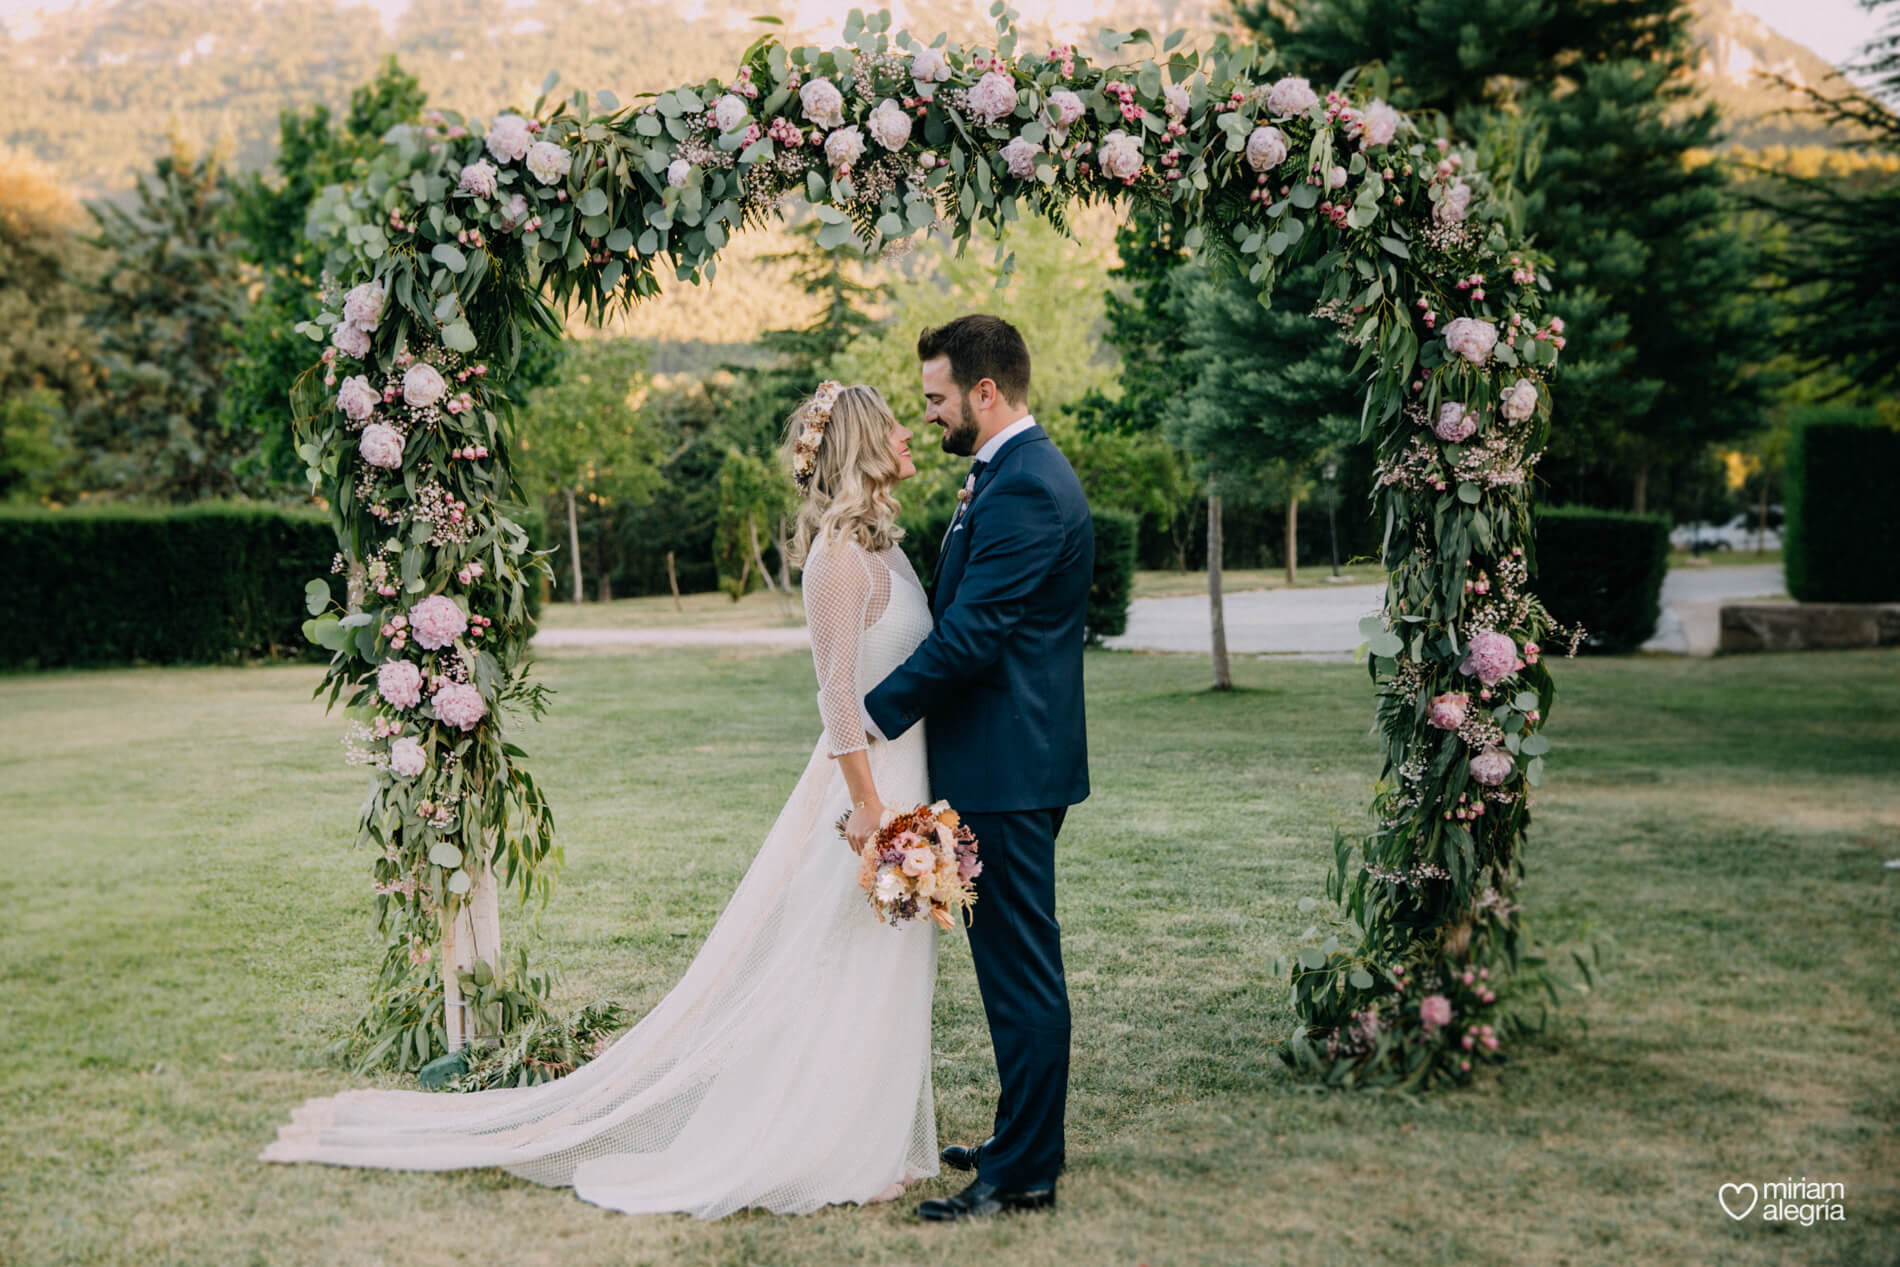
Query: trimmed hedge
189, 585
1116, 533
1602, 569
1842, 543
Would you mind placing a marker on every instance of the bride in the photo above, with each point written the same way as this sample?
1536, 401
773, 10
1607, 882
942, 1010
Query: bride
790, 1067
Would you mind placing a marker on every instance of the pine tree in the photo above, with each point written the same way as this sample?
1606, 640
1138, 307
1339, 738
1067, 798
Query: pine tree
168, 307
1653, 279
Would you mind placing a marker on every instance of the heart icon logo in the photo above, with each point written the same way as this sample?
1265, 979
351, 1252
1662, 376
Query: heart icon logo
1722, 1195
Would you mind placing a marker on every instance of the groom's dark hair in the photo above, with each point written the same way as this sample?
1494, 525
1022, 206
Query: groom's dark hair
981, 346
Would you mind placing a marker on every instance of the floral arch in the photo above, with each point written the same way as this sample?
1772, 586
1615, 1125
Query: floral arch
461, 234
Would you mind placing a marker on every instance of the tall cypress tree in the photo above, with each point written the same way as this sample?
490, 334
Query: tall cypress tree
1653, 279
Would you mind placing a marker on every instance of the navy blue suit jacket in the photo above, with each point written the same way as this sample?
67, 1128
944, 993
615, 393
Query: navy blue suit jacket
1000, 676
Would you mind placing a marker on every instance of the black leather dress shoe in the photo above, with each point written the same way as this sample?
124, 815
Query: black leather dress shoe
983, 1200
958, 1157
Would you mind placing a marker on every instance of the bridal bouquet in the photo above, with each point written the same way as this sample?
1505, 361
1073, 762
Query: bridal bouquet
919, 864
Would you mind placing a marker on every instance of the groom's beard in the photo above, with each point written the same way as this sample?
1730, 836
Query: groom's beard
959, 437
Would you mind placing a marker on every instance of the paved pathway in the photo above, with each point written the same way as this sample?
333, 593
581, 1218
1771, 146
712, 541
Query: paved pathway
1321, 622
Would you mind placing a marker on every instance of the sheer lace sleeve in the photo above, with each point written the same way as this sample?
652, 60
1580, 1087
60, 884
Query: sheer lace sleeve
845, 590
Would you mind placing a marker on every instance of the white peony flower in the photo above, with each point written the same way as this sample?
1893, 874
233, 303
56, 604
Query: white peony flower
1290, 96
1120, 156
407, 758
844, 147
509, 138
729, 112
1455, 205
1065, 108
890, 886
358, 400
993, 98
929, 66
889, 124
1266, 148
1178, 99
1520, 400
549, 162
1471, 338
363, 305
1020, 157
422, 386
678, 172
350, 340
480, 178
822, 102
381, 446
1381, 124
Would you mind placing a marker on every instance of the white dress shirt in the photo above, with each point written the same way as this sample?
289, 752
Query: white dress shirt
985, 454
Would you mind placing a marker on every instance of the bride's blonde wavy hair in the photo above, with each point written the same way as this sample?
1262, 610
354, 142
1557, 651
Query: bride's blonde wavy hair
854, 475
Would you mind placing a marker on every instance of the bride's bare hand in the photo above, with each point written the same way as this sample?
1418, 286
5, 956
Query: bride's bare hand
863, 824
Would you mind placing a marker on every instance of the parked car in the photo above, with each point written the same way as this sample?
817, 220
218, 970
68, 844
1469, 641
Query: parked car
1742, 532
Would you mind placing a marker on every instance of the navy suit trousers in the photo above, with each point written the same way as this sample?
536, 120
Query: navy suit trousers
1017, 948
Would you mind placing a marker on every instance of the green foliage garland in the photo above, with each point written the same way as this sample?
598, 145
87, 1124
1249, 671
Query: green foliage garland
462, 235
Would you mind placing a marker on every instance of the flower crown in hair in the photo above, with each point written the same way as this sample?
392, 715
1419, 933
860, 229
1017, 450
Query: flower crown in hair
815, 416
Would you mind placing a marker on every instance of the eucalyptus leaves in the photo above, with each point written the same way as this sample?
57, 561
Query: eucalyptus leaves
464, 236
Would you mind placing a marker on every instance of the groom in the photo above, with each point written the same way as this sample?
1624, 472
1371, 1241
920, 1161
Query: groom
1000, 680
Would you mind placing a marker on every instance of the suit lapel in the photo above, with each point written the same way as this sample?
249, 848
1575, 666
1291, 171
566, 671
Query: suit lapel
956, 547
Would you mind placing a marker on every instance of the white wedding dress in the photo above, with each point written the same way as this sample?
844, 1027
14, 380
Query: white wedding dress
790, 1067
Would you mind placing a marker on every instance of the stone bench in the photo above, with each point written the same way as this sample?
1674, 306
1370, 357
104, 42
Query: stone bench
1808, 626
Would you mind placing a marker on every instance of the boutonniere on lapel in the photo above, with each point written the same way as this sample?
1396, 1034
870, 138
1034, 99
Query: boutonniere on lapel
968, 490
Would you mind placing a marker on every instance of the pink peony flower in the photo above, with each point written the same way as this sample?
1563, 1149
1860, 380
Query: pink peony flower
480, 178
399, 682
1178, 99
357, 399
919, 860
1381, 124
1336, 179
844, 147
514, 212
993, 97
381, 446
1266, 148
407, 758
1289, 96
678, 172
363, 305
1455, 205
1448, 710
1455, 423
822, 102
1065, 108
1120, 156
929, 65
1434, 1010
437, 621
548, 162
350, 340
1492, 766
1471, 338
889, 124
1520, 400
508, 138
1020, 157
460, 705
1490, 657
422, 385
729, 112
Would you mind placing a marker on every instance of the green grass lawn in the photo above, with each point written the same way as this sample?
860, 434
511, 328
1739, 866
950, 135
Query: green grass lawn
187, 931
